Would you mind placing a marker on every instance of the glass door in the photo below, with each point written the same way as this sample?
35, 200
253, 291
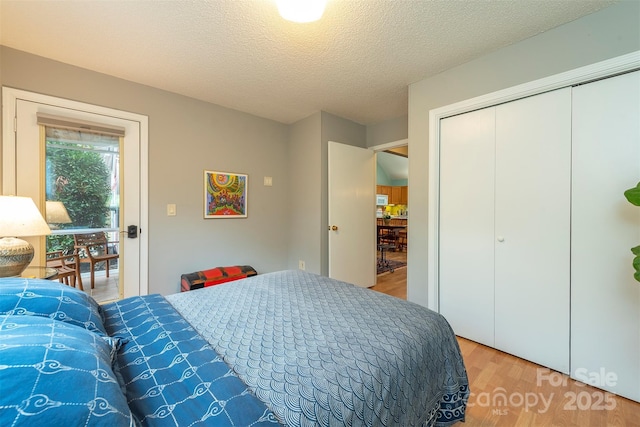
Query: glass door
62, 168
82, 179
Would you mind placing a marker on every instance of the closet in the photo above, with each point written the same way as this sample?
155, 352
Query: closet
534, 233
605, 298
504, 226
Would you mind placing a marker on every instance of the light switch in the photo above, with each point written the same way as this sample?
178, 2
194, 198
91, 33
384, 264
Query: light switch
171, 209
268, 181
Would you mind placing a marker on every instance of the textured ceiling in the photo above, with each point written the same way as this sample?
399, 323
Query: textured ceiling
355, 63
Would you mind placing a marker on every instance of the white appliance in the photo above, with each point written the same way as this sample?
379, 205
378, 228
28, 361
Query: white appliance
382, 200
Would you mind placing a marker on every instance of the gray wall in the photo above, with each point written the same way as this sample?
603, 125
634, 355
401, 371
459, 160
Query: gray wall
611, 32
186, 136
388, 131
305, 208
308, 167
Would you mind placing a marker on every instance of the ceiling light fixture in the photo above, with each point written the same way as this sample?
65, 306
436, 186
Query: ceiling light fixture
301, 11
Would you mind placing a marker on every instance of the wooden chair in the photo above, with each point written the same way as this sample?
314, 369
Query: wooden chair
402, 239
67, 266
389, 237
93, 248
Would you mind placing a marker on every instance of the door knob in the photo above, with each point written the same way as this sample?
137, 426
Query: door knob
334, 227
132, 231
500, 239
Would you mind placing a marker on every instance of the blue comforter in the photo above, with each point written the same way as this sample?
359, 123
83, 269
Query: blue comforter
322, 352
171, 376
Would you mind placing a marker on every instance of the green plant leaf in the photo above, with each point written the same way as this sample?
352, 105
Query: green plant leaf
633, 195
636, 265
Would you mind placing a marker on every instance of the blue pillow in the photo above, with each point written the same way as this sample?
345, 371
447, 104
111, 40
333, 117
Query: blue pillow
37, 297
54, 371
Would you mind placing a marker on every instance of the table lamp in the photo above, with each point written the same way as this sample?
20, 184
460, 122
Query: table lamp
56, 213
19, 217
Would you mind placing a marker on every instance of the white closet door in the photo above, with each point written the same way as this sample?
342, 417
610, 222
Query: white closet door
532, 214
466, 270
605, 298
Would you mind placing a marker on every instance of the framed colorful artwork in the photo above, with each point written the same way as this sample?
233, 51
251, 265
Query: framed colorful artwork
225, 195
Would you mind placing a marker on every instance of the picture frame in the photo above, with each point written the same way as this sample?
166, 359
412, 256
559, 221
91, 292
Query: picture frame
225, 194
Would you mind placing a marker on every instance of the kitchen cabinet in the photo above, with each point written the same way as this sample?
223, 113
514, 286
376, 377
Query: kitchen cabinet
404, 195
398, 221
395, 198
398, 195
384, 189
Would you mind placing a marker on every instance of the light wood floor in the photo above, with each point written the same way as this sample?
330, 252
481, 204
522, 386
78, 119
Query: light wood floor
105, 288
393, 283
509, 391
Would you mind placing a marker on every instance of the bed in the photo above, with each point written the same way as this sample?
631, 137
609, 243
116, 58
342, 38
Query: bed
287, 348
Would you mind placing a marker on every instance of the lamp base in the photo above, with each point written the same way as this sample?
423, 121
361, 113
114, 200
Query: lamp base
15, 256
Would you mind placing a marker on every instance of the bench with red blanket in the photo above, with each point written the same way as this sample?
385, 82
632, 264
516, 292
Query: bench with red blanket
215, 276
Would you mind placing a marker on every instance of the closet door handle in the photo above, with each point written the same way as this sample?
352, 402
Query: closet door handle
500, 239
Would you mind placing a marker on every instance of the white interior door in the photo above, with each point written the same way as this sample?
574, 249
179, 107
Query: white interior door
605, 298
532, 243
352, 227
23, 160
466, 250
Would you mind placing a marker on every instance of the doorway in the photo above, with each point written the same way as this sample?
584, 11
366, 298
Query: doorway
83, 191
25, 166
392, 169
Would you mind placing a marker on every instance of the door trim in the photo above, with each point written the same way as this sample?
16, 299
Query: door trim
599, 70
389, 145
8, 166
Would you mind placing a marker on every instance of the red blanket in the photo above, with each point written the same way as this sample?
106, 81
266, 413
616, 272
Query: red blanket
215, 276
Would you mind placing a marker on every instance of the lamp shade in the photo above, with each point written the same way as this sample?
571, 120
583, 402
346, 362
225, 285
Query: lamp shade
301, 10
56, 213
19, 217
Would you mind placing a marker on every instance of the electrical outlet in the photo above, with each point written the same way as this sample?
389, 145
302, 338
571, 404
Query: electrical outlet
301, 265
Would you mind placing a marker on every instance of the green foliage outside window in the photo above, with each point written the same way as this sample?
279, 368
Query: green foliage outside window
80, 180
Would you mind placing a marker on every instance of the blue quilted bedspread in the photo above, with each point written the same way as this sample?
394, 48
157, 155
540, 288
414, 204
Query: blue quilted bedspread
171, 375
321, 352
